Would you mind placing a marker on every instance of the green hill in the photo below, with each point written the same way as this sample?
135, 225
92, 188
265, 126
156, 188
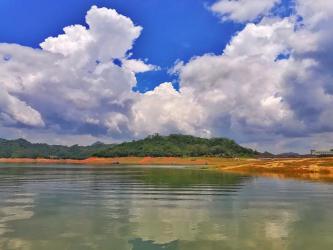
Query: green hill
21, 148
155, 146
177, 145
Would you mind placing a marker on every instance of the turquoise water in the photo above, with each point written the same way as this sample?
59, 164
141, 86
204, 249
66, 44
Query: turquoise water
120, 208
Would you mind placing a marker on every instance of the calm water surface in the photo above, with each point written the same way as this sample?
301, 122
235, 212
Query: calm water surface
123, 208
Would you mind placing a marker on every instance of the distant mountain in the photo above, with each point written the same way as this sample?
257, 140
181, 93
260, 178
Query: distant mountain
21, 148
178, 145
266, 155
289, 154
283, 155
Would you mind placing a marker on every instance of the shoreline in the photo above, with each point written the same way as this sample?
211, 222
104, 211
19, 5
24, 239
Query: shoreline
116, 161
313, 169
300, 168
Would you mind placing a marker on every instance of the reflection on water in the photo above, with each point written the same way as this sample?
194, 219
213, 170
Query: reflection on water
17, 207
135, 208
139, 244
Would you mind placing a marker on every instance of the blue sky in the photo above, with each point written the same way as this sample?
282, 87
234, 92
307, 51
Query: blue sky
173, 30
257, 71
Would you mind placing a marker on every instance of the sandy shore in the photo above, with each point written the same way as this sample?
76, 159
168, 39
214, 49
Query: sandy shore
301, 168
117, 160
316, 169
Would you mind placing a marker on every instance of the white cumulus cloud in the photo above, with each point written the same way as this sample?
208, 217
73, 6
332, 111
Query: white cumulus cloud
272, 82
165, 110
72, 84
243, 10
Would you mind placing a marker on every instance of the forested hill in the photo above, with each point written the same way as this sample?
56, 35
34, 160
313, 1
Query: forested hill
178, 145
155, 146
21, 148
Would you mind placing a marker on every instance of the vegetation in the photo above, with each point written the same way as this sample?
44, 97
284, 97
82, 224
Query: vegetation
177, 145
23, 149
154, 146
188, 177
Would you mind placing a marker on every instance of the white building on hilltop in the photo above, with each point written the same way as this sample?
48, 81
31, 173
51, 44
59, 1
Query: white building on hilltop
322, 153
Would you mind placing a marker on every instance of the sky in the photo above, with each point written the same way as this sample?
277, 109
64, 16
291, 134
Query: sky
257, 71
182, 28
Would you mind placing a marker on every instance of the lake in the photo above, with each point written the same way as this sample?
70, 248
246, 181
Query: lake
153, 208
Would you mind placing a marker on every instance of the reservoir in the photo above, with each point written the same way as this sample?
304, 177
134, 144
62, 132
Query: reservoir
159, 208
